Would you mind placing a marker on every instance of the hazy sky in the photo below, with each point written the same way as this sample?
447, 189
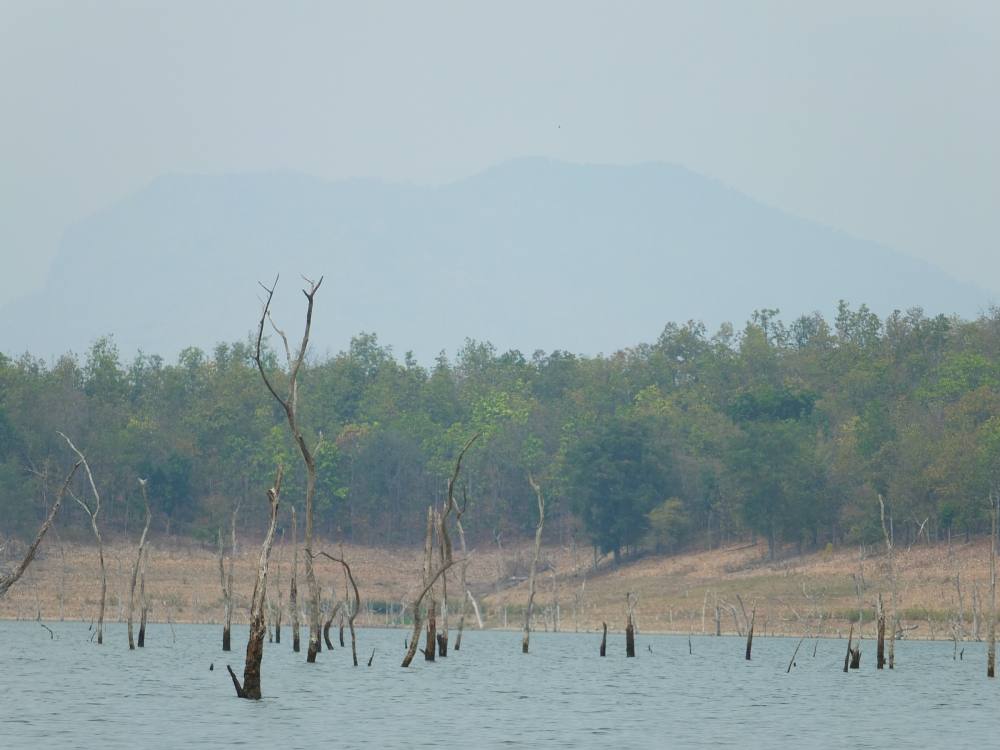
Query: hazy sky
877, 118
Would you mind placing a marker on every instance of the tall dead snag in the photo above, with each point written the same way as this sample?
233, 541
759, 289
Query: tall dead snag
93, 514
753, 617
880, 644
8, 580
894, 619
289, 403
411, 646
446, 551
430, 648
462, 585
143, 600
534, 563
226, 579
258, 621
138, 560
991, 630
630, 601
293, 589
604, 640
352, 611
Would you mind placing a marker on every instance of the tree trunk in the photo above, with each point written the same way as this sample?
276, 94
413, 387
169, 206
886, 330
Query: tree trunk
604, 639
135, 568
991, 631
847, 656
894, 618
753, 617
143, 602
534, 563
93, 514
880, 645
290, 405
629, 625
6, 581
226, 598
293, 592
258, 626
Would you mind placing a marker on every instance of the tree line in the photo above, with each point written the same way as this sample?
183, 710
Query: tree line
787, 432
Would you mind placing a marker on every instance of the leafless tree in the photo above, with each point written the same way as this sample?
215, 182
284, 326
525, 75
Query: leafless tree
534, 563
293, 590
446, 549
353, 610
9, 579
289, 402
143, 599
226, 578
258, 622
890, 559
93, 513
138, 559
991, 630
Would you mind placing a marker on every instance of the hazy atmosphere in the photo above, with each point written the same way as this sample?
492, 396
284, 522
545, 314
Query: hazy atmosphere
877, 120
549, 374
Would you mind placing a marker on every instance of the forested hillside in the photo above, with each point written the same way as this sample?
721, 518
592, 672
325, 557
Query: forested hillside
786, 431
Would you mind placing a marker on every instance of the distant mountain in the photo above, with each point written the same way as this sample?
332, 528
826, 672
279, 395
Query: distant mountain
532, 254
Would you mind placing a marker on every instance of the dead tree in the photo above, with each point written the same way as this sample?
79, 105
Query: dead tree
411, 647
226, 579
604, 639
293, 590
93, 513
430, 649
847, 657
892, 582
279, 610
289, 403
258, 622
534, 563
753, 617
352, 611
143, 600
880, 644
138, 559
991, 629
630, 601
8, 580
444, 541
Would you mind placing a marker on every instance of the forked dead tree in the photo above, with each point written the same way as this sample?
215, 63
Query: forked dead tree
8, 580
352, 611
289, 403
138, 560
534, 563
93, 513
445, 547
258, 621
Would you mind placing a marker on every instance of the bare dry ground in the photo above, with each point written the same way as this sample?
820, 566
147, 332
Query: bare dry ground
812, 593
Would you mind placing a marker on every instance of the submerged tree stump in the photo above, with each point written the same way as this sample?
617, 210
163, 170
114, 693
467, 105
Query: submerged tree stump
630, 603
604, 640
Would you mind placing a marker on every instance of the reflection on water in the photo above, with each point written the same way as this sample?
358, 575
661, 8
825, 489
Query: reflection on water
72, 694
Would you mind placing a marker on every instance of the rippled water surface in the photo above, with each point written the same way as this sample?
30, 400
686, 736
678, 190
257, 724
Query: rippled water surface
70, 693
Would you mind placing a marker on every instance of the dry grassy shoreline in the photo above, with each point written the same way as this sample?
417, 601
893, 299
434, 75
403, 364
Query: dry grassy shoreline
815, 593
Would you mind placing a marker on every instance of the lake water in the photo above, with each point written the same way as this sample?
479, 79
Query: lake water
70, 693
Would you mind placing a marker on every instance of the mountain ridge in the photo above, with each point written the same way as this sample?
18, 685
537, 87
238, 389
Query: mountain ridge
529, 254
